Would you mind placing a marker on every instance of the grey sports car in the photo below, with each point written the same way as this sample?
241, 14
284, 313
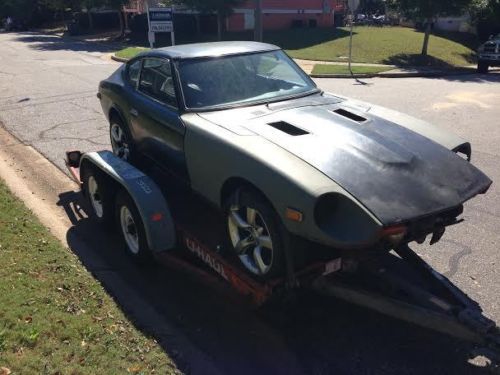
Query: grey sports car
243, 126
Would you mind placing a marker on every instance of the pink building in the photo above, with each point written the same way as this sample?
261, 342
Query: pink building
280, 14
277, 14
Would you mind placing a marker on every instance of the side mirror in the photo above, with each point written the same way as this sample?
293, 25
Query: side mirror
491, 37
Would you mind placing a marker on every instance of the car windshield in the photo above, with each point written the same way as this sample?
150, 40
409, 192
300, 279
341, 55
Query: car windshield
241, 79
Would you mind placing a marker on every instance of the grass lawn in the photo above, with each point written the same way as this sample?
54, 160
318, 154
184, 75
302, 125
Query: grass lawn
385, 45
129, 52
343, 69
54, 317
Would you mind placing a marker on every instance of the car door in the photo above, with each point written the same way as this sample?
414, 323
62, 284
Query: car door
154, 115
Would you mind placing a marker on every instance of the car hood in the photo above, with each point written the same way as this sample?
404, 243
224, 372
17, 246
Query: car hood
394, 172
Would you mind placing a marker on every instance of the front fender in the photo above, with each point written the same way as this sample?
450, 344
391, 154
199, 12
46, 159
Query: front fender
215, 154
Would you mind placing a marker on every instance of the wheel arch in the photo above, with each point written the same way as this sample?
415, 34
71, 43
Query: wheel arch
234, 183
116, 113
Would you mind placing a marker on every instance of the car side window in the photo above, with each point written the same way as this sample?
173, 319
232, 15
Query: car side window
157, 81
133, 72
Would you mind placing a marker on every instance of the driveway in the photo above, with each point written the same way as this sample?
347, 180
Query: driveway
47, 99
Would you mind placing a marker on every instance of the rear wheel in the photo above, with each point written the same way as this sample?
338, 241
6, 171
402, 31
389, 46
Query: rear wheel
121, 141
255, 234
482, 67
131, 227
98, 196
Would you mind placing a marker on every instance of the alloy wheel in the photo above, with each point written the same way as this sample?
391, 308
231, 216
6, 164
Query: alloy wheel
251, 239
119, 142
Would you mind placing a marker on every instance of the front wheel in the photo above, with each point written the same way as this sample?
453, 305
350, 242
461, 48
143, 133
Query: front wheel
255, 234
131, 227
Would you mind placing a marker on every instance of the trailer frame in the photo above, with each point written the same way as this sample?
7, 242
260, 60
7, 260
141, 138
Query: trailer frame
433, 302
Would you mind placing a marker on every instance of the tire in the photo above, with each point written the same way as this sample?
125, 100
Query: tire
482, 67
131, 228
255, 234
122, 143
99, 196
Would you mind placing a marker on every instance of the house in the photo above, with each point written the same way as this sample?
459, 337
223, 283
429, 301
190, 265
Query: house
276, 14
282, 14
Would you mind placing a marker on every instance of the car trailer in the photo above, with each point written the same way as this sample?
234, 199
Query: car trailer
399, 284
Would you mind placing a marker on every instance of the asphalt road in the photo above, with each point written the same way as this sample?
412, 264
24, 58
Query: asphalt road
47, 99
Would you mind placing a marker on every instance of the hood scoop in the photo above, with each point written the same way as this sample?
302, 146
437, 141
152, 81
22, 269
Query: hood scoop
287, 128
351, 116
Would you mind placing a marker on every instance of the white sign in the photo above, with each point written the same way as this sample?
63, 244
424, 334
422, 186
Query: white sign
160, 20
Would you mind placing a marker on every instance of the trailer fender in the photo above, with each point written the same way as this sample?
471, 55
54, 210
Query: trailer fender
147, 196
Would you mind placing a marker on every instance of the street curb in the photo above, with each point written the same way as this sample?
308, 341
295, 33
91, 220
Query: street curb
397, 75
372, 75
119, 59
40, 184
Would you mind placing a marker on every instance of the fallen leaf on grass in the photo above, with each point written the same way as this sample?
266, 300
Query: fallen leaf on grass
134, 369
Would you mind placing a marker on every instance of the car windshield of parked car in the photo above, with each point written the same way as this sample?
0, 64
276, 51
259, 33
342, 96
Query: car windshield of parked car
241, 79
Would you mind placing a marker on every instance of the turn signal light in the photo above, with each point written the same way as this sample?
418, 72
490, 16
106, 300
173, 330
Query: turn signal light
394, 234
294, 215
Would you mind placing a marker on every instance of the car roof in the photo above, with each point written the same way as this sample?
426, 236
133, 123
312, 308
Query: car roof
214, 49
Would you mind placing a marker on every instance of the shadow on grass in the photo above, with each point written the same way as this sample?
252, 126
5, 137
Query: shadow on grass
290, 39
416, 59
466, 39
313, 336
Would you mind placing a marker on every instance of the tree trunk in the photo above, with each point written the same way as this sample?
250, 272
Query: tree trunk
122, 24
91, 20
220, 20
426, 37
258, 34
198, 25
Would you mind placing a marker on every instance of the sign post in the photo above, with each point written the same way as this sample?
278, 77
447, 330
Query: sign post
160, 20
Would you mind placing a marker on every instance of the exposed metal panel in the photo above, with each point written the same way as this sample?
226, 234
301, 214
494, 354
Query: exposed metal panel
396, 173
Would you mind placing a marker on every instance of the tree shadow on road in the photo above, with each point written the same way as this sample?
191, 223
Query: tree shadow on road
313, 336
56, 43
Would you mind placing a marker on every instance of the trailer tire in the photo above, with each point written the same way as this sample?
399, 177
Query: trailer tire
131, 228
99, 196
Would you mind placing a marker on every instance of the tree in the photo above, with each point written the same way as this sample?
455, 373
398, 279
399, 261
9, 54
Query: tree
222, 8
427, 11
258, 27
118, 6
485, 14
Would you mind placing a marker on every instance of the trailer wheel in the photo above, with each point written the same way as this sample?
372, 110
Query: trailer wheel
255, 233
98, 195
131, 227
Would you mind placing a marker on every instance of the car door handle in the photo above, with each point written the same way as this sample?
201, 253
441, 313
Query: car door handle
133, 112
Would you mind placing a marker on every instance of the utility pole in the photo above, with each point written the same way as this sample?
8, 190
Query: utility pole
258, 34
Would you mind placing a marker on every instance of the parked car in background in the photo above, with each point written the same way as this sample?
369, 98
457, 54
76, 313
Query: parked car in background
286, 163
489, 54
